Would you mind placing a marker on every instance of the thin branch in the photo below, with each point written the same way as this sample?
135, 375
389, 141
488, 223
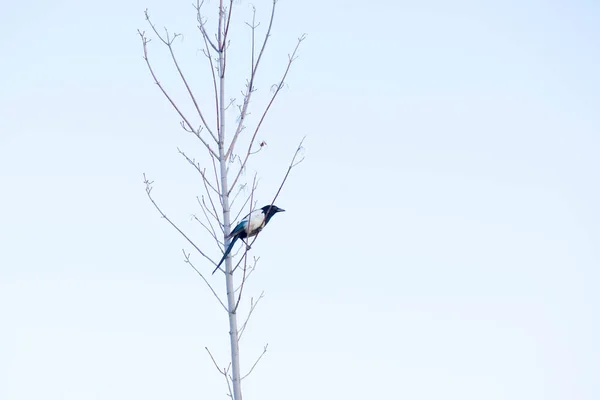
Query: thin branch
246, 252
148, 193
208, 219
237, 265
187, 261
252, 207
228, 21
278, 88
162, 89
250, 86
200, 171
203, 203
210, 230
240, 190
226, 373
259, 357
201, 23
169, 44
250, 271
252, 307
208, 44
213, 360
242, 284
293, 163
211, 201
217, 180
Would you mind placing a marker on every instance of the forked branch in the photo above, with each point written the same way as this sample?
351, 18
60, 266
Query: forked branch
278, 88
186, 123
253, 72
257, 360
163, 215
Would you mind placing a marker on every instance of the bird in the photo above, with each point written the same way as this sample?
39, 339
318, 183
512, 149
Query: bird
249, 226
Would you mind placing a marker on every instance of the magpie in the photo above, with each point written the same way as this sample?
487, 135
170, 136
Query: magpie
250, 226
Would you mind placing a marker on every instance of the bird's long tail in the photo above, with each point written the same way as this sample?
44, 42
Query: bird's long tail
226, 253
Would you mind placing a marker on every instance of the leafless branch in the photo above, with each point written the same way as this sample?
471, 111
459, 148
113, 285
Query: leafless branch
206, 215
252, 269
212, 204
169, 43
253, 70
210, 223
228, 379
252, 307
213, 360
202, 172
148, 193
217, 179
259, 357
291, 59
203, 204
253, 204
201, 23
187, 261
245, 252
145, 41
211, 230
293, 163
208, 44
228, 21
240, 190
237, 303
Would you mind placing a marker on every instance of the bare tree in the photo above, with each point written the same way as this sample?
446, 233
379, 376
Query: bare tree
225, 175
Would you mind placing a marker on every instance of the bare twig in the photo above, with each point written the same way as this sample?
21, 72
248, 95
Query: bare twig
210, 223
252, 269
293, 163
203, 204
228, 21
212, 203
252, 207
245, 252
252, 307
208, 44
240, 190
169, 43
148, 193
201, 23
227, 378
145, 41
256, 362
291, 59
211, 230
200, 171
253, 70
213, 360
187, 261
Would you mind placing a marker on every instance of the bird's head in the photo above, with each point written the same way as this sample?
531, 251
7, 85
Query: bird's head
271, 210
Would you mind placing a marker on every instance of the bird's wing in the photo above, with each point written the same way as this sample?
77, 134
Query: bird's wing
238, 228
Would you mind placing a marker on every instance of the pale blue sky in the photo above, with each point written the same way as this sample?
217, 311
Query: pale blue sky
442, 236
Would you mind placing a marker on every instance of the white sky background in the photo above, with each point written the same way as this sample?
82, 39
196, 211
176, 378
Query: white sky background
441, 239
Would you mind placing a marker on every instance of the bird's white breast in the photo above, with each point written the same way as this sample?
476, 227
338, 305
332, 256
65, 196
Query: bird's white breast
255, 221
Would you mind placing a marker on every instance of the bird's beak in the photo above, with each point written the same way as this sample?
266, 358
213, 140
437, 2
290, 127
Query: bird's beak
280, 210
